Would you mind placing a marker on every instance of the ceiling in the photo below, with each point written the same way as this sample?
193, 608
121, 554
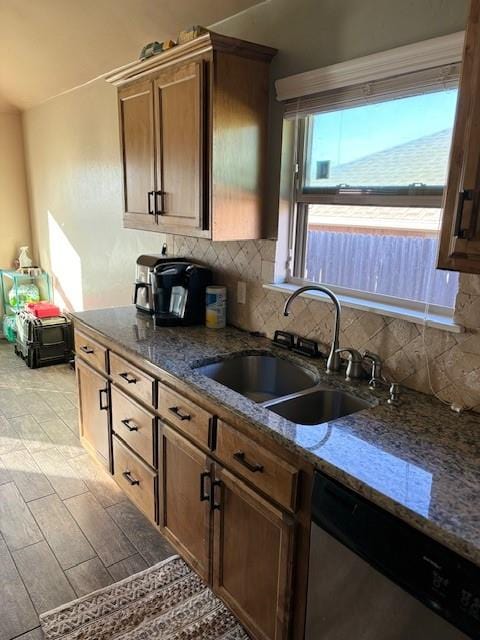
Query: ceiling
50, 46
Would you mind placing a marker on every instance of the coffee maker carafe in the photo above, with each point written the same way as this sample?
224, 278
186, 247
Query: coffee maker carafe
178, 290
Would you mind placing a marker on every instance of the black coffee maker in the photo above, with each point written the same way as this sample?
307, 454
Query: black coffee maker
143, 289
178, 290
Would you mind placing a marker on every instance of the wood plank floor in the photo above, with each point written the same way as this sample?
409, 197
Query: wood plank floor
65, 527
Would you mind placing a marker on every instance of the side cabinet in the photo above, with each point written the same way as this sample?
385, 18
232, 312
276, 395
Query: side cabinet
460, 233
94, 411
252, 560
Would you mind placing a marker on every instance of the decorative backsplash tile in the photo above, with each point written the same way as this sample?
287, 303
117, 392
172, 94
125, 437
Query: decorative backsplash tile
417, 357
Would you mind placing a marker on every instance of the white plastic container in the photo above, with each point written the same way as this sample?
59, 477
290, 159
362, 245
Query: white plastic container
216, 301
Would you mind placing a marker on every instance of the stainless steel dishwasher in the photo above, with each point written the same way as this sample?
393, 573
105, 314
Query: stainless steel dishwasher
374, 577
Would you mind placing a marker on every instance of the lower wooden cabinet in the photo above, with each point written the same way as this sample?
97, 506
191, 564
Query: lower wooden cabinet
184, 498
210, 489
252, 557
223, 528
94, 411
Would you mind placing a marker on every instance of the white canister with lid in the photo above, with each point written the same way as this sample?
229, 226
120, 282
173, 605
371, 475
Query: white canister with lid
216, 301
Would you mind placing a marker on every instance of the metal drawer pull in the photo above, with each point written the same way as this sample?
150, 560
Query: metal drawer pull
215, 505
176, 412
103, 407
242, 459
86, 349
130, 427
128, 377
203, 494
128, 476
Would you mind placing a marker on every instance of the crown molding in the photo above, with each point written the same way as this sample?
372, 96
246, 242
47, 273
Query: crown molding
427, 54
210, 41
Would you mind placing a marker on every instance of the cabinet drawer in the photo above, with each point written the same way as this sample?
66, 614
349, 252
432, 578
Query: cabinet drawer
135, 478
272, 475
133, 424
136, 382
90, 351
185, 415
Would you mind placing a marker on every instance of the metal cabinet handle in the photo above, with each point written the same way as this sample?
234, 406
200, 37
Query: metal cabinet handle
151, 211
86, 349
212, 433
130, 427
128, 377
215, 505
103, 407
203, 494
460, 232
128, 476
240, 457
159, 211
176, 412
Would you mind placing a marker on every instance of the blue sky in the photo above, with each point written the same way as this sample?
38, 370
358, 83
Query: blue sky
342, 136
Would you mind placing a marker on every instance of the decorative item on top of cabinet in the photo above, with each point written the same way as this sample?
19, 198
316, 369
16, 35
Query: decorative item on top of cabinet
460, 233
193, 130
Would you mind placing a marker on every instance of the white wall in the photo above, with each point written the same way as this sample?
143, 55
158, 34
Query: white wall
73, 157
14, 217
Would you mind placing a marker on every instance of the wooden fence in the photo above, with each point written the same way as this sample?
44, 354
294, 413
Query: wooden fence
402, 267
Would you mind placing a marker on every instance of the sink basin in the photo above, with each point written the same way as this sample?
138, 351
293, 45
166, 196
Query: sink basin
318, 406
259, 377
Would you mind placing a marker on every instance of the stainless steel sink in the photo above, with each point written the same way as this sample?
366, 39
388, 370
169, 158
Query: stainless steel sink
316, 407
259, 377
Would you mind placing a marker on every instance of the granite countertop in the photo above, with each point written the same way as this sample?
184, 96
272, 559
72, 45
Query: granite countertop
418, 460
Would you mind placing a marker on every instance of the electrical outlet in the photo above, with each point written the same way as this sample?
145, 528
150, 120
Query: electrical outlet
241, 292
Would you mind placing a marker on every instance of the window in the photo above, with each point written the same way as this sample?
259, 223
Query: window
368, 194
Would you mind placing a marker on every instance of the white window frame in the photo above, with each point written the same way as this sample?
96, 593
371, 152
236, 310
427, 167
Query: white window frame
302, 89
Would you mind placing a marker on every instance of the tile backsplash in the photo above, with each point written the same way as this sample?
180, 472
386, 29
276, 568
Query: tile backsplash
417, 357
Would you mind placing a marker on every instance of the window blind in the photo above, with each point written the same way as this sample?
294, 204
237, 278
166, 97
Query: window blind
400, 86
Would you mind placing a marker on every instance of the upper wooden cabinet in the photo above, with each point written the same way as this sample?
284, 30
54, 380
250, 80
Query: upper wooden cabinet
193, 130
137, 140
179, 118
460, 234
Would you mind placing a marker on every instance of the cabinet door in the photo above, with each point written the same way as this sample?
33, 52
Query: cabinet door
460, 234
93, 409
252, 558
184, 479
135, 107
179, 120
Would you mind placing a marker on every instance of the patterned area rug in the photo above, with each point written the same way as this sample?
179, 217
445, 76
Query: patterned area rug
165, 602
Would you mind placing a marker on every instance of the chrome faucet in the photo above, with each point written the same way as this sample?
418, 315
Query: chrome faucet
334, 360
